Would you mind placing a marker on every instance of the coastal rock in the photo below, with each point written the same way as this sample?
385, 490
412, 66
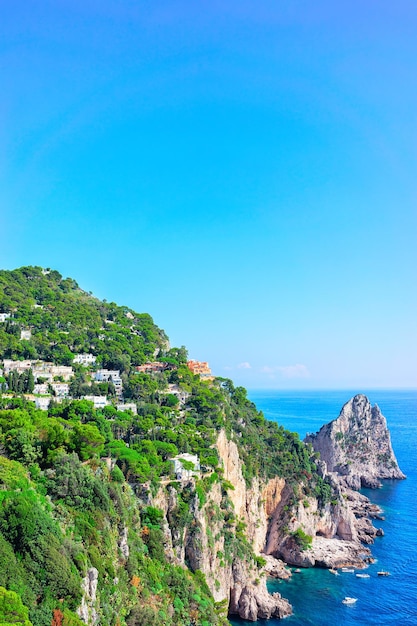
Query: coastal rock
357, 445
251, 600
275, 568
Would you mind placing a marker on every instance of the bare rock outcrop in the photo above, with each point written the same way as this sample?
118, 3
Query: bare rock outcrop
251, 600
357, 445
87, 610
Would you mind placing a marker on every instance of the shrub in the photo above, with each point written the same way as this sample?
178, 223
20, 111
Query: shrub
303, 540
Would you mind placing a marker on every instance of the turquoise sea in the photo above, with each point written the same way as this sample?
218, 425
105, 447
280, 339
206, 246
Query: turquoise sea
316, 595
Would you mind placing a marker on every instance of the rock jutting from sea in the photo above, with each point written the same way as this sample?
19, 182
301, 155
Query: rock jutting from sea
357, 446
355, 450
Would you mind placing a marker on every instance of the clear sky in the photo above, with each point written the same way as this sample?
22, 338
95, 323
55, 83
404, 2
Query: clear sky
243, 171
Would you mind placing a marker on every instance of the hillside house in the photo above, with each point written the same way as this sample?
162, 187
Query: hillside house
61, 390
110, 376
65, 371
85, 359
41, 389
181, 463
99, 401
201, 368
43, 402
17, 366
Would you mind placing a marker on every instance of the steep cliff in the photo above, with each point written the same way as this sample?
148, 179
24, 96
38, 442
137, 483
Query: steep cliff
223, 533
237, 521
357, 445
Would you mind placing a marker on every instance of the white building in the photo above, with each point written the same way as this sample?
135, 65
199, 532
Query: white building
105, 375
85, 359
180, 472
99, 401
17, 366
43, 402
44, 375
4, 316
41, 388
65, 371
61, 390
112, 376
25, 334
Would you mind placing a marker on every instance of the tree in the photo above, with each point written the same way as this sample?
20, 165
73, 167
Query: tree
87, 441
30, 383
12, 609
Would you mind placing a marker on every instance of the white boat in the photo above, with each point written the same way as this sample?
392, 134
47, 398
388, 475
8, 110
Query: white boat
347, 570
334, 571
384, 574
349, 600
362, 576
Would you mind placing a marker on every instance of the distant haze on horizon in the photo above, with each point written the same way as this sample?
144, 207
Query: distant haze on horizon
245, 173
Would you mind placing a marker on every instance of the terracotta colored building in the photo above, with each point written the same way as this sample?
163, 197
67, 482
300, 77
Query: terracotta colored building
201, 368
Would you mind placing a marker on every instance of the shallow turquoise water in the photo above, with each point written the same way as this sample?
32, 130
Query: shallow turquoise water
316, 595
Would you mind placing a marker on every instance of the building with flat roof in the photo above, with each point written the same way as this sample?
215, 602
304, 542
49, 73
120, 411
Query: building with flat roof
84, 359
186, 465
201, 368
99, 401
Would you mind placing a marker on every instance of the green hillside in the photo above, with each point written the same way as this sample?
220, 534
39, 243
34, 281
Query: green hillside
65, 320
74, 479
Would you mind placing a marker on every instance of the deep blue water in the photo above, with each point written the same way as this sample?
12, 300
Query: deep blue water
316, 595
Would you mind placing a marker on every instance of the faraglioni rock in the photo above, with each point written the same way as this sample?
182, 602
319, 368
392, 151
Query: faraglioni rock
357, 445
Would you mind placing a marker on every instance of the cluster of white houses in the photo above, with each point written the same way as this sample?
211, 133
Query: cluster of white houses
40, 369
185, 466
53, 380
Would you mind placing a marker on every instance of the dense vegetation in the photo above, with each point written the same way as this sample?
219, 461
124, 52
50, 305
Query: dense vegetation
61, 512
68, 476
65, 320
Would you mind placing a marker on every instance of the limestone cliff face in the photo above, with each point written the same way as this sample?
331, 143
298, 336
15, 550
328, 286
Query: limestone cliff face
355, 451
357, 445
202, 543
253, 505
87, 610
336, 532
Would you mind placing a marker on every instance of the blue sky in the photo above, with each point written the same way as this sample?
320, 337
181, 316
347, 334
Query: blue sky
244, 172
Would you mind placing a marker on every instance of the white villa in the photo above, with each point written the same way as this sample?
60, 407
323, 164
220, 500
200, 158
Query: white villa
180, 472
43, 402
61, 390
85, 359
99, 401
112, 376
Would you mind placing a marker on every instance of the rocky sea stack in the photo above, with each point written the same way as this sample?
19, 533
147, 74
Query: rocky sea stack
357, 445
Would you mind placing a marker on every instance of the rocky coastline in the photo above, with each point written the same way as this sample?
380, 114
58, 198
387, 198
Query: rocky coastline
339, 532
